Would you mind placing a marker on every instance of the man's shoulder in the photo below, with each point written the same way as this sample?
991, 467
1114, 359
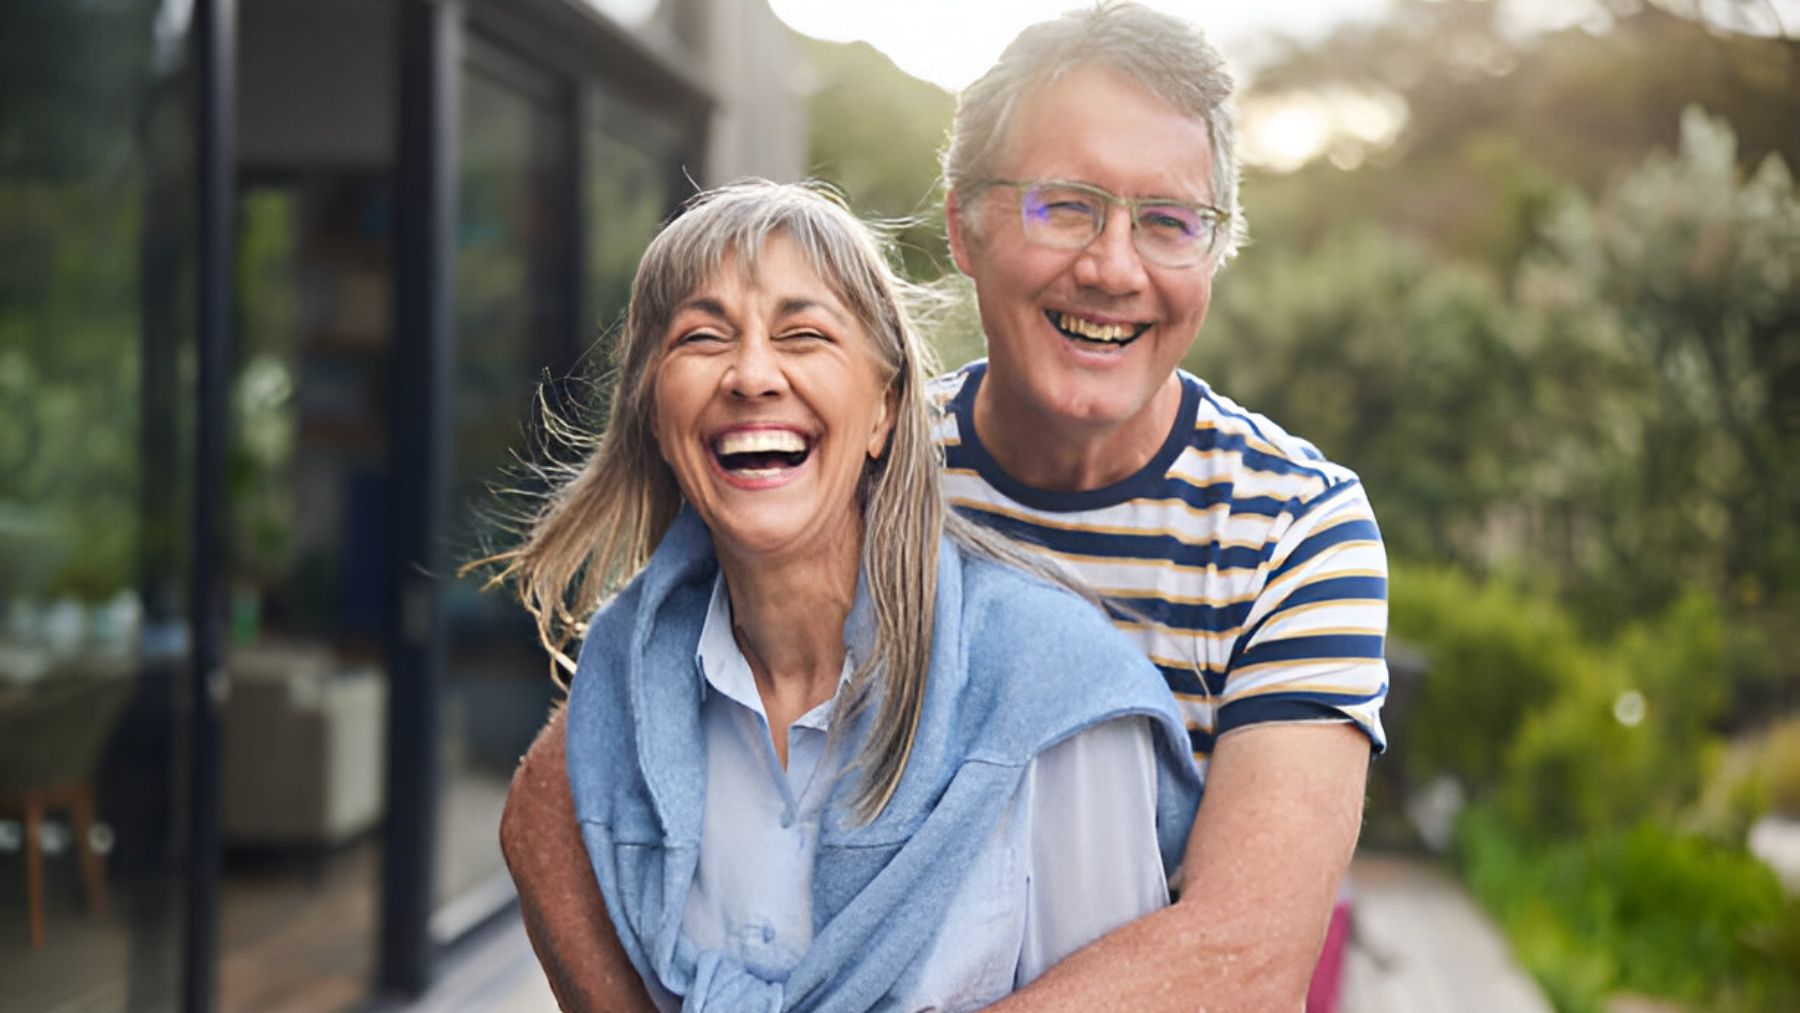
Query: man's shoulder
1259, 442
943, 388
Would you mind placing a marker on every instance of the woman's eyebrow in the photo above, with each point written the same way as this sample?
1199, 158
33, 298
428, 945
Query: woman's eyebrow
801, 304
704, 304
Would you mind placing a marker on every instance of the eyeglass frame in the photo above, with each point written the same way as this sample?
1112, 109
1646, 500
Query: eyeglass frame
1220, 218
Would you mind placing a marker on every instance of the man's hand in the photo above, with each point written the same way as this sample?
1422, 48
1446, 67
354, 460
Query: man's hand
559, 898
1279, 820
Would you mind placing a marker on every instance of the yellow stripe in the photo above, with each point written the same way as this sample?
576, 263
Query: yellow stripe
1307, 577
1042, 521
1311, 485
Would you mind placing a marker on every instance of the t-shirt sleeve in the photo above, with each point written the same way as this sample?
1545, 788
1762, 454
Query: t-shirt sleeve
1089, 804
1312, 647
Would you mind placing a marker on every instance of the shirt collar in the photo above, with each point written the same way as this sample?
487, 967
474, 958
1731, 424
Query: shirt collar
723, 667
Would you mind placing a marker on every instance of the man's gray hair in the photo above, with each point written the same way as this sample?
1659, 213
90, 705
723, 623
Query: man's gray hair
1167, 55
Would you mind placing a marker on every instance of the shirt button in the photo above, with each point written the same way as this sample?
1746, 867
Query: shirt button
768, 933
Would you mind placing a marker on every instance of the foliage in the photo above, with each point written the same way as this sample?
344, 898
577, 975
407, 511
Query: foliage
1405, 368
1643, 909
1494, 115
1562, 732
1779, 767
1696, 266
875, 133
69, 450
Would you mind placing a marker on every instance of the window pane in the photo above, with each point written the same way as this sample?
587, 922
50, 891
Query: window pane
97, 347
510, 327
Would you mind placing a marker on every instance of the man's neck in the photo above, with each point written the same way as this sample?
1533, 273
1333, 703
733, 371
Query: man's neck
1055, 454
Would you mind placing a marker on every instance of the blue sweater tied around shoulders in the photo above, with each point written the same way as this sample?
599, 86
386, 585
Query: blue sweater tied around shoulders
1016, 666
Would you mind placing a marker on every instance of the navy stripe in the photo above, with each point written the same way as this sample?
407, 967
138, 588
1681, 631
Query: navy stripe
1179, 615
1277, 707
1163, 490
1329, 589
1359, 530
1332, 589
1255, 460
1252, 422
1201, 741
1193, 683
1330, 645
1125, 547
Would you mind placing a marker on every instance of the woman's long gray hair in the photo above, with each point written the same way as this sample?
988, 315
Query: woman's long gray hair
606, 516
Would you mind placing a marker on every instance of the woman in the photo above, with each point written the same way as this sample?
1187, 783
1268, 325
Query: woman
830, 747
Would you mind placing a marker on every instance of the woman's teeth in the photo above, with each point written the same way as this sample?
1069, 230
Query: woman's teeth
761, 452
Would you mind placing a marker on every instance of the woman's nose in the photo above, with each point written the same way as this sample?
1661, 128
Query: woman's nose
755, 368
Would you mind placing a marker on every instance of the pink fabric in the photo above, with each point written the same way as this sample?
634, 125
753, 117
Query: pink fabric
1327, 980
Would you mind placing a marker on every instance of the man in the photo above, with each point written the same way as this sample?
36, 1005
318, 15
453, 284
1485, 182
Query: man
1092, 194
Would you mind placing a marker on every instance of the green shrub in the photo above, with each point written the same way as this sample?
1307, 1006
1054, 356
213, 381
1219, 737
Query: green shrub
1627, 734
1569, 733
1779, 767
1495, 654
1645, 910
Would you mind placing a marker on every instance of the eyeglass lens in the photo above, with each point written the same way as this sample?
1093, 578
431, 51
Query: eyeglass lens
1072, 217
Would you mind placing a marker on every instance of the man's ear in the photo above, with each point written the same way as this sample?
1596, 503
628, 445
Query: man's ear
955, 225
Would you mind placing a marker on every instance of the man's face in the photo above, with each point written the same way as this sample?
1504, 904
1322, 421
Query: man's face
1086, 336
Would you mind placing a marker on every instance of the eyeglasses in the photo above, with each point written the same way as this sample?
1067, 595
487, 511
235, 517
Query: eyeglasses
1069, 216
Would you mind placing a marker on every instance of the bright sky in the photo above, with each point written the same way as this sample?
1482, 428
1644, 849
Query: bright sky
951, 42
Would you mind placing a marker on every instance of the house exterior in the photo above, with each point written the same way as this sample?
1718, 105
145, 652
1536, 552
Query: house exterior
281, 282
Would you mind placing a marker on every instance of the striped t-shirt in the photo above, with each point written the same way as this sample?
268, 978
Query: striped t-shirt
1246, 566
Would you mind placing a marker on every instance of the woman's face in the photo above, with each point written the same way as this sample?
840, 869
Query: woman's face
768, 403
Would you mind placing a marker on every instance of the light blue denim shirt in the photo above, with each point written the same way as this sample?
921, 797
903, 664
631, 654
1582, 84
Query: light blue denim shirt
1034, 894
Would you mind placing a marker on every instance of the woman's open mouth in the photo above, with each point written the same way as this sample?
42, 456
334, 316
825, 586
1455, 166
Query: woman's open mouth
1094, 332
761, 453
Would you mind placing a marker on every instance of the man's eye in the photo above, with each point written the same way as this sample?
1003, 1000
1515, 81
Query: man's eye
1067, 207
1171, 220
699, 337
803, 334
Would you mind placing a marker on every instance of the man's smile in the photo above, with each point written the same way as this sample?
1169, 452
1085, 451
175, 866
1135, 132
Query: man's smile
1094, 331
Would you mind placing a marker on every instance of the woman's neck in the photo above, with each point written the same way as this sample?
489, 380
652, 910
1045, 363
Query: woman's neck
788, 620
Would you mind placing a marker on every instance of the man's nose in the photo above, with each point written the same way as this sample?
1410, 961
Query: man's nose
1111, 263
755, 369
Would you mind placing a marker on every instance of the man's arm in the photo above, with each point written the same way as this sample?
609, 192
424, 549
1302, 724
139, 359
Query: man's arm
1279, 820
559, 898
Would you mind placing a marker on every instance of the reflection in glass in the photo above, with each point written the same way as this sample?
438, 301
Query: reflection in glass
509, 330
304, 725
96, 379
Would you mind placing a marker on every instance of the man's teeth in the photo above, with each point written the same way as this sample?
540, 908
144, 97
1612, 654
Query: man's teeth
1094, 331
762, 441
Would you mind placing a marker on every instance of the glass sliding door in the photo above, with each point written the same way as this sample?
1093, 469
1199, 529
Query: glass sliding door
511, 322
97, 414
631, 163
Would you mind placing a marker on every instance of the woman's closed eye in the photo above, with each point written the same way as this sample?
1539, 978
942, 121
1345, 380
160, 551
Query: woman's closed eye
804, 335
700, 336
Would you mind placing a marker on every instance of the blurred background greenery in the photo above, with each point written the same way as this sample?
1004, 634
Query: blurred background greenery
1538, 288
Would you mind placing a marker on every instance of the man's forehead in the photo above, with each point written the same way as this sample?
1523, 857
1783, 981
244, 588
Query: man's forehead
1092, 123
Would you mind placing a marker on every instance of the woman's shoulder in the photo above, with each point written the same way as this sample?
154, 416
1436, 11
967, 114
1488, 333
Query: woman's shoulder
1041, 661
1006, 607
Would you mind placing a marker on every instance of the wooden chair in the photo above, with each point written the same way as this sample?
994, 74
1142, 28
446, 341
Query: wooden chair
51, 738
